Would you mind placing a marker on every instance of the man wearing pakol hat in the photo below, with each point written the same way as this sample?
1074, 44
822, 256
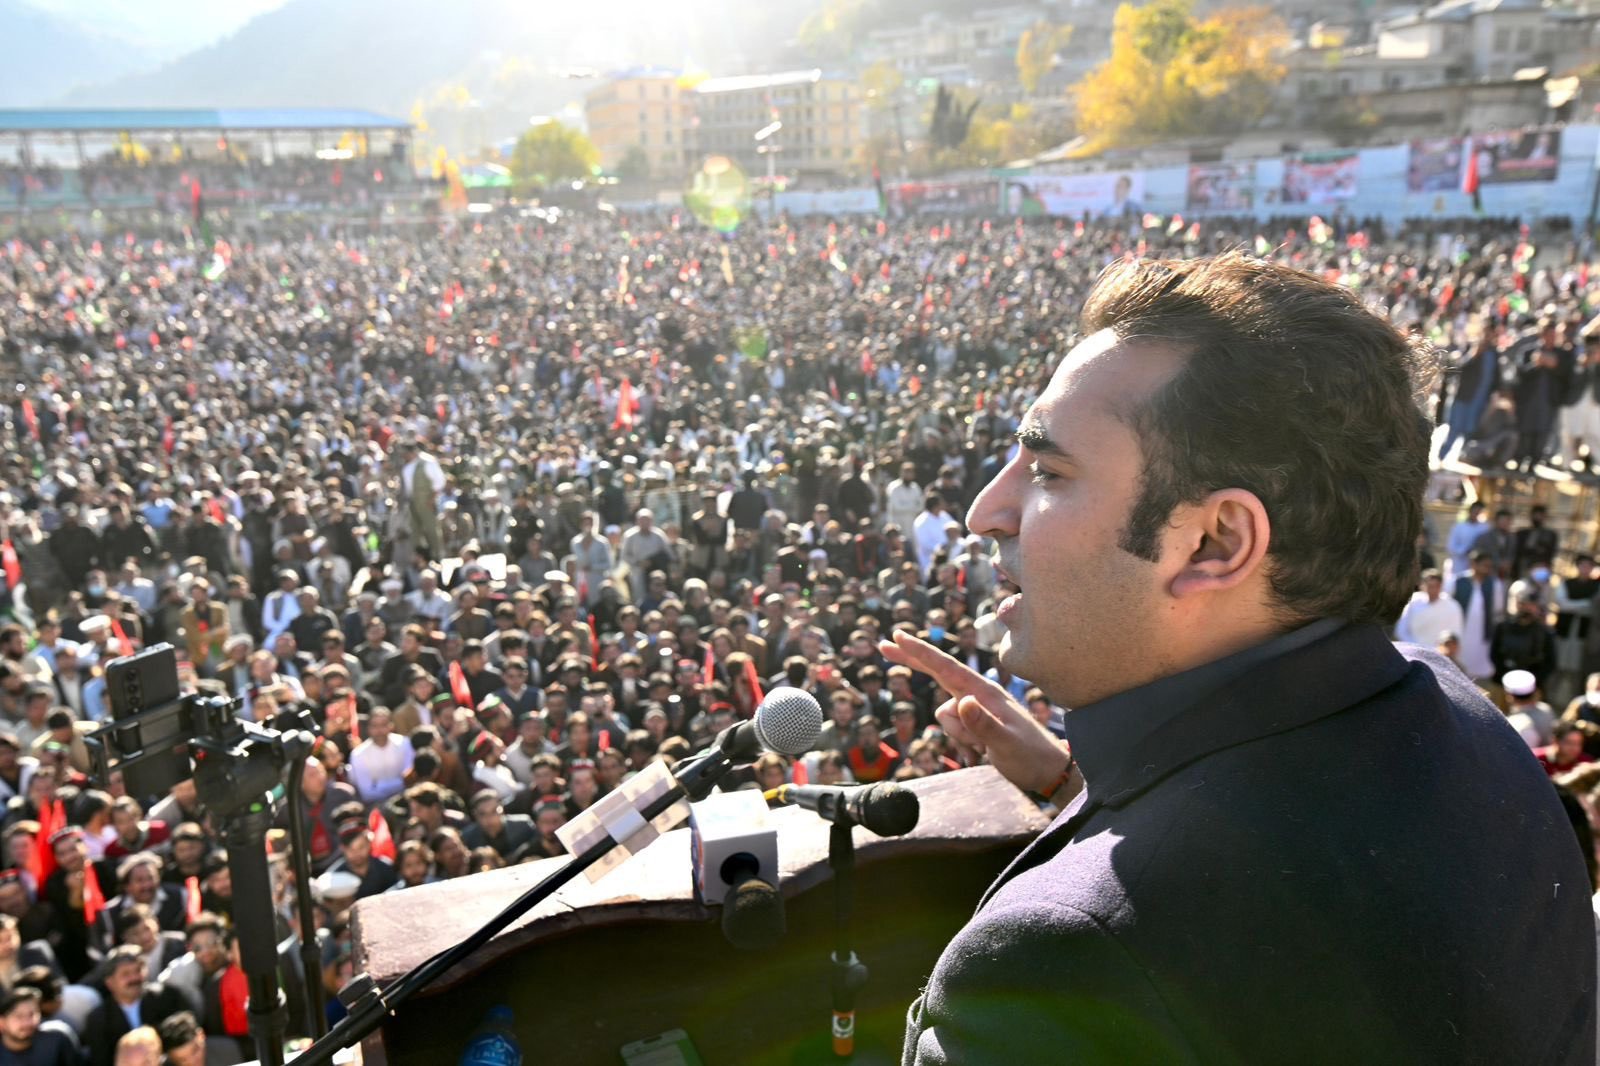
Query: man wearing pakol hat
1532, 718
374, 873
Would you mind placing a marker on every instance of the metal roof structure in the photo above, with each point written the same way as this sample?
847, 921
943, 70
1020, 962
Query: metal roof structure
117, 119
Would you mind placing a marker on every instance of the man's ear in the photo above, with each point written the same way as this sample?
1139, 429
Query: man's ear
1227, 535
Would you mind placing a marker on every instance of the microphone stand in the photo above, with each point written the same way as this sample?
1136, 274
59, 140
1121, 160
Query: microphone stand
369, 1005
849, 972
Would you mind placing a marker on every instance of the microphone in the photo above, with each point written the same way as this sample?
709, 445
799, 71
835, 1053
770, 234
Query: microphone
652, 802
752, 909
885, 808
788, 722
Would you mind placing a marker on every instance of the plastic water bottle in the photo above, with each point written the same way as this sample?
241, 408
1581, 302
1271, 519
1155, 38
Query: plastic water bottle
494, 1043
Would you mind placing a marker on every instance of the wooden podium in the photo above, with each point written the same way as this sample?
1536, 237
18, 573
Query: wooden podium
604, 964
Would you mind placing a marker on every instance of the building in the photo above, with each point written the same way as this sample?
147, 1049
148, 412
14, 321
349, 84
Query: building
1454, 66
645, 112
823, 117
980, 46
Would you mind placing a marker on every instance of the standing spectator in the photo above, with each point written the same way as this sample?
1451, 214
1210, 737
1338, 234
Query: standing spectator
1532, 718
1499, 544
1463, 537
1536, 545
1478, 594
1429, 614
903, 501
1523, 641
379, 763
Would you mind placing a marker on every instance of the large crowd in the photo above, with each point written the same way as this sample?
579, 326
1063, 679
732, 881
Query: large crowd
517, 506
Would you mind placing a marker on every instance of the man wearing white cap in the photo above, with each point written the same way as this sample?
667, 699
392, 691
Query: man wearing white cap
1532, 718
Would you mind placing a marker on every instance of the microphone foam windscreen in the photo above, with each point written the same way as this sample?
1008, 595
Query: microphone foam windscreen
788, 721
890, 810
752, 916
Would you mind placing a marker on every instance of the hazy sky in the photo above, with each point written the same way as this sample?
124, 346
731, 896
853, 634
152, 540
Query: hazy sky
169, 26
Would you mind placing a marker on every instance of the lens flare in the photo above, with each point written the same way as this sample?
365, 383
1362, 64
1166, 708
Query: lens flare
719, 195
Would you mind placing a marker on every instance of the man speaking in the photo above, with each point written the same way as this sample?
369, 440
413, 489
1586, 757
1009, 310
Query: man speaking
1295, 842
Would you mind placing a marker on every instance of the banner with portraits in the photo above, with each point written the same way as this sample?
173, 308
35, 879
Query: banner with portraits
1507, 157
1435, 164
1320, 177
1104, 194
1222, 187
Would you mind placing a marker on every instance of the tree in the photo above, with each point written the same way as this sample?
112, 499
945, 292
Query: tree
552, 152
950, 121
1036, 51
1173, 74
635, 163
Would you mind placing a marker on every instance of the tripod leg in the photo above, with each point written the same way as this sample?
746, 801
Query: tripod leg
256, 929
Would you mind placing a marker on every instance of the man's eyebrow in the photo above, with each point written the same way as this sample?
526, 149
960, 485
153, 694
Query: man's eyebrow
1033, 437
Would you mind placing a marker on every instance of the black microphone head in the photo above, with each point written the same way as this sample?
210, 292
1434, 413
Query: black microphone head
887, 809
789, 721
752, 915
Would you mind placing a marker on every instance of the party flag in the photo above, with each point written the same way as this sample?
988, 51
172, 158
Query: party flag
30, 418
711, 668
754, 681
43, 865
192, 904
11, 564
459, 687
94, 900
168, 439
382, 840
594, 642
1469, 183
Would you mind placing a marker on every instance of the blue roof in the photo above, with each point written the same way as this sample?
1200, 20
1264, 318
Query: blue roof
116, 119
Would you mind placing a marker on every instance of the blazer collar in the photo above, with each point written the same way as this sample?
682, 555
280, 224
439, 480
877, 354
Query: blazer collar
1281, 685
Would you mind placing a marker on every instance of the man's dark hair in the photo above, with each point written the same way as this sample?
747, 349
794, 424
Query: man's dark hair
177, 1030
42, 980
1293, 391
17, 996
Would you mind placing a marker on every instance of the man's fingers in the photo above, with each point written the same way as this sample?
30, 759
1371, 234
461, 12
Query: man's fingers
955, 729
953, 676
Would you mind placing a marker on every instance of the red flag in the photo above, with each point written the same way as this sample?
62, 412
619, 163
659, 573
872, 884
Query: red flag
192, 907
442, 409
603, 743
51, 818
94, 901
11, 564
626, 406
382, 841
355, 721
711, 668
1469, 183
801, 775
430, 345
754, 681
459, 687
30, 418
594, 642
121, 636
169, 440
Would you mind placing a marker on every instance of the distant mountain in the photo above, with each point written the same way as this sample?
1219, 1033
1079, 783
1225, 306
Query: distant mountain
47, 55
345, 53
162, 29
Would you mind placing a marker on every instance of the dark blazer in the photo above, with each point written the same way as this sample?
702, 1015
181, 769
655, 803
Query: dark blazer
1340, 855
107, 1024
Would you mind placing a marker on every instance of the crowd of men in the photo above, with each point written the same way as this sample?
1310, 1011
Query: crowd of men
513, 508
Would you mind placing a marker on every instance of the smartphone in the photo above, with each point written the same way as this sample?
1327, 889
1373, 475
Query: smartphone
671, 1048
